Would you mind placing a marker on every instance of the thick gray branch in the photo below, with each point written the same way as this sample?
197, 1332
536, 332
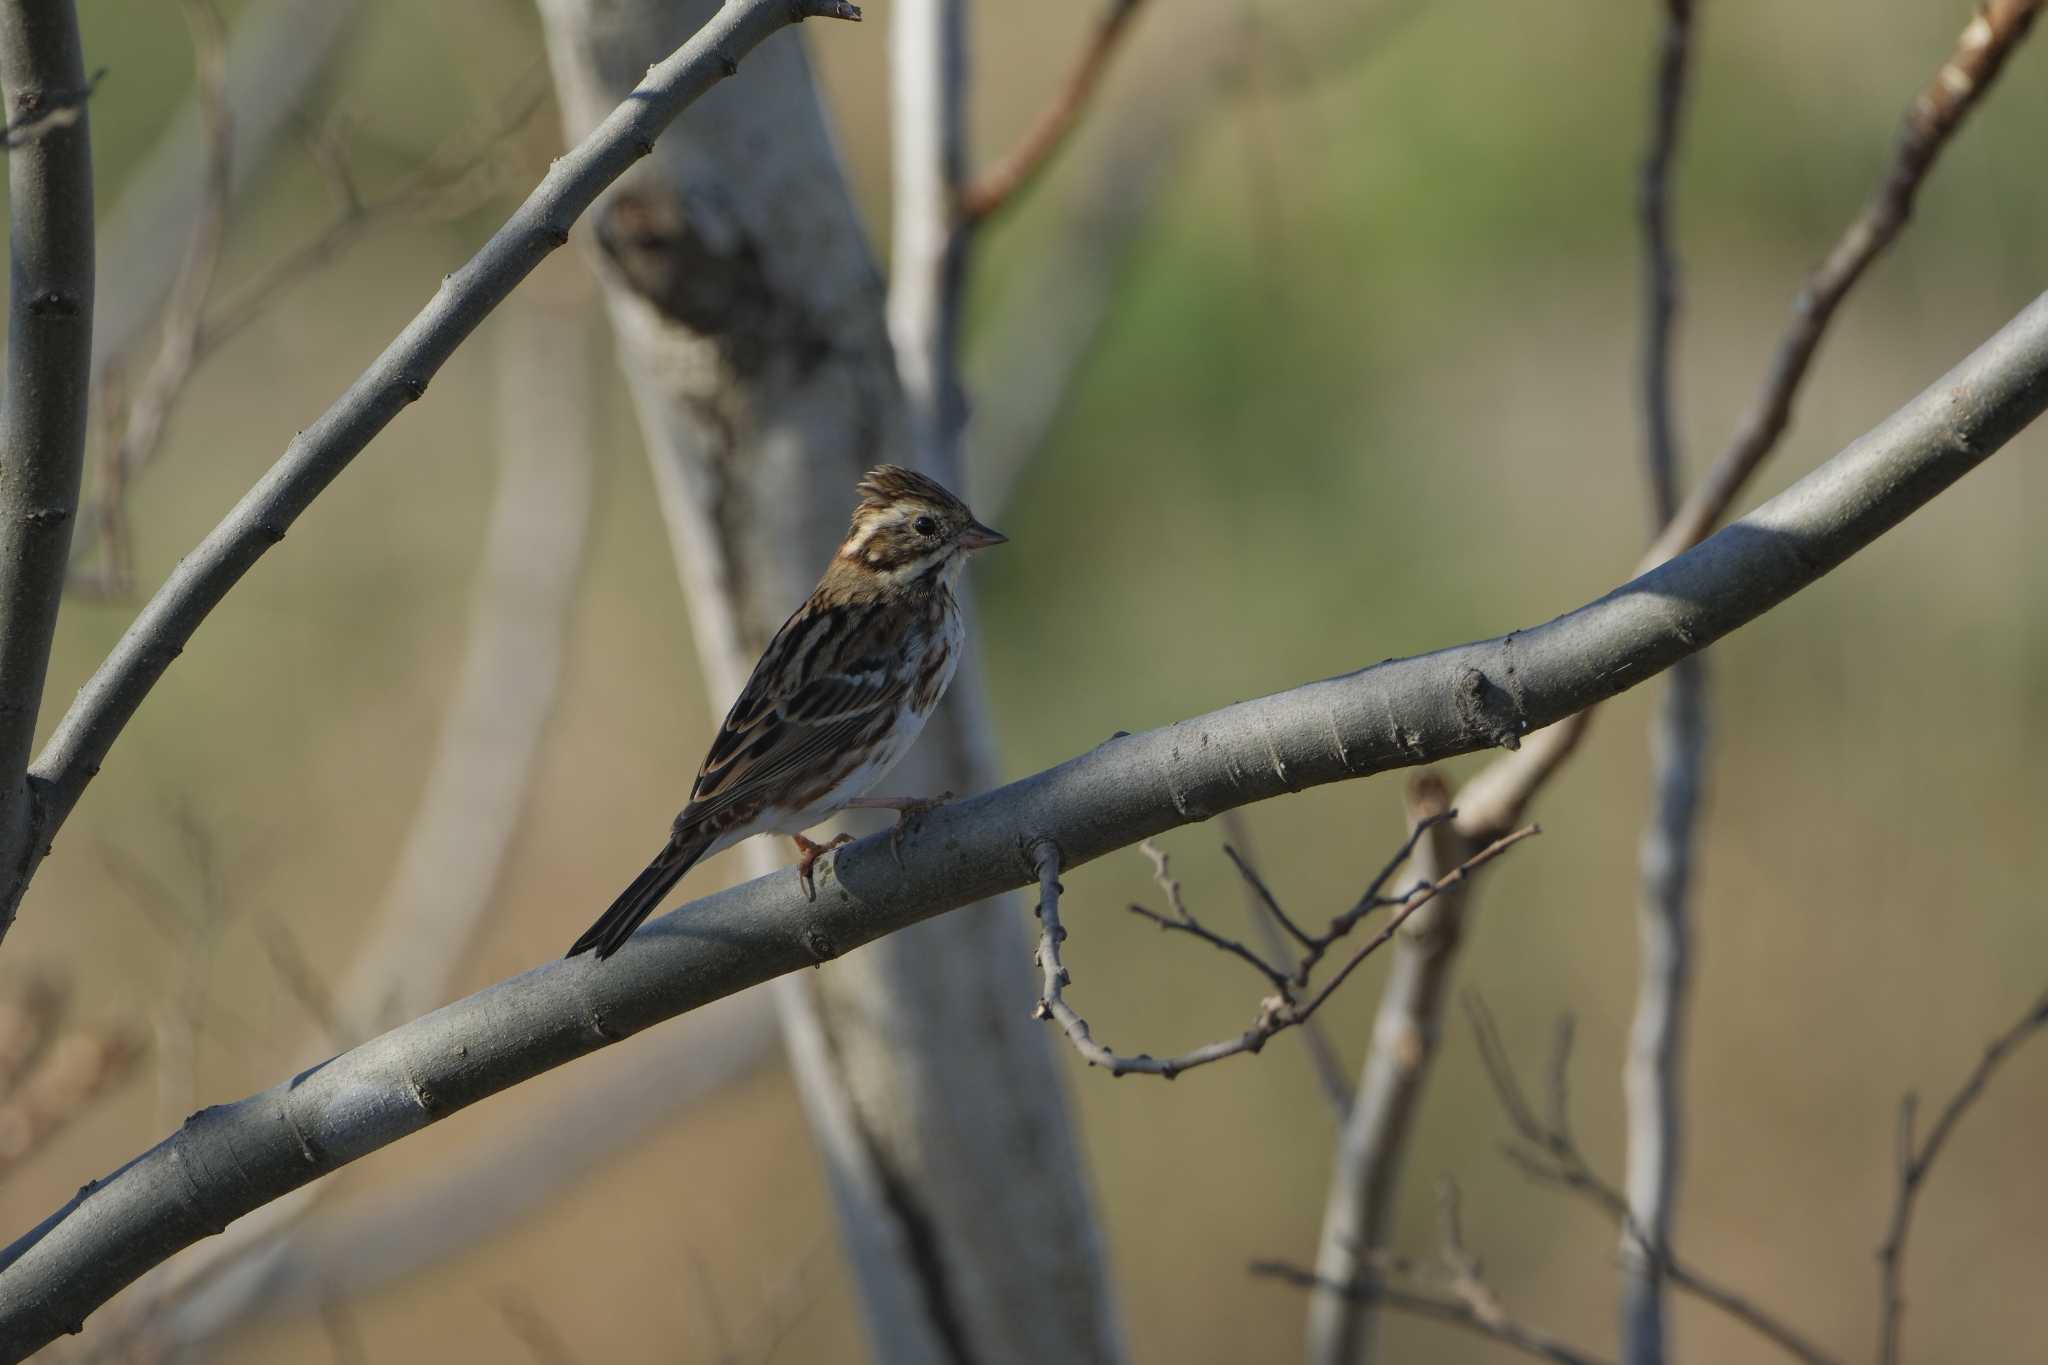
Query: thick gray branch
43, 412
397, 378
230, 1159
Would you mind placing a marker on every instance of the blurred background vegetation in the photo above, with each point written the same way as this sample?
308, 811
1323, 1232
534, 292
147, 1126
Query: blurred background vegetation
1365, 389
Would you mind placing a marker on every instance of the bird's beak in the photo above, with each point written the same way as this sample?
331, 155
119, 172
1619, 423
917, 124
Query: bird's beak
979, 537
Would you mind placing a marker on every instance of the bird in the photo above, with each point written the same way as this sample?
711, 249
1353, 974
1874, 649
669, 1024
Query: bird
838, 696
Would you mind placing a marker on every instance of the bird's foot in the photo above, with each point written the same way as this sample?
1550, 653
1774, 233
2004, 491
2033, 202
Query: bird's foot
909, 810
807, 854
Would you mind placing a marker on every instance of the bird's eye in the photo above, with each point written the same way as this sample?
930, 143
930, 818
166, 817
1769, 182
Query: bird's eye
925, 526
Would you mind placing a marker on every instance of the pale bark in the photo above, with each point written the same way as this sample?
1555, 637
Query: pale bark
750, 317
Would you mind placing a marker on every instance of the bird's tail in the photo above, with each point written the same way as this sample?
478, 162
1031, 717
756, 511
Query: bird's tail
639, 900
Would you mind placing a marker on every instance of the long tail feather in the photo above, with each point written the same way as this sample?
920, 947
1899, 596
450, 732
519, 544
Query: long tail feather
639, 900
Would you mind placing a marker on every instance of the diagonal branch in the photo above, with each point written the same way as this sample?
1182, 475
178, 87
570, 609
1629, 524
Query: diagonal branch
148, 413
230, 1159
1917, 1158
43, 414
1468, 1301
1498, 797
999, 185
393, 382
1550, 1155
1931, 120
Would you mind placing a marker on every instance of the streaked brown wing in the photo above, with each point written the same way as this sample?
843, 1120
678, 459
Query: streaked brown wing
805, 703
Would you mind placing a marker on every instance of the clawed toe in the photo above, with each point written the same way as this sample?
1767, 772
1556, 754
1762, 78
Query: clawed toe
808, 854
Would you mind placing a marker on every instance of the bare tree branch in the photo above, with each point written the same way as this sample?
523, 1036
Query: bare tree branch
1358, 1212
453, 181
928, 255
43, 411
1497, 798
1468, 1302
997, 186
276, 55
1291, 1003
1550, 1155
361, 1245
1653, 1075
397, 379
1324, 1059
1660, 258
147, 414
1931, 120
1916, 1160
231, 1159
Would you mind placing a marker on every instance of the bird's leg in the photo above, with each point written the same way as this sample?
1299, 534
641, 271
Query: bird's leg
909, 810
808, 853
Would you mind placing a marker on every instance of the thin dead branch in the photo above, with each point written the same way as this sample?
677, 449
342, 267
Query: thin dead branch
141, 419
1465, 1299
1917, 1158
1001, 184
1931, 120
459, 177
1323, 1056
1651, 1081
1548, 1153
1291, 1003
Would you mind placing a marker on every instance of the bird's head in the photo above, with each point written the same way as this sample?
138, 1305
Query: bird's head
907, 527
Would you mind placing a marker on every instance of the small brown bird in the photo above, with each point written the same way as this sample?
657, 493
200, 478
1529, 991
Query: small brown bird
841, 692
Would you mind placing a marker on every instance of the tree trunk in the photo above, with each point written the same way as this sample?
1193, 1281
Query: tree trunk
749, 314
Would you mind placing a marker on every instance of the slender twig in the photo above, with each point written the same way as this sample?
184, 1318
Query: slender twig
1548, 1154
999, 185
1284, 1009
44, 412
233, 1158
1930, 121
1359, 1209
397, 379
278, 50
452, 181
1916, 1160
1660, 258
1499, 796
1263, 911
1179, 920
1468, 1300
149, 410
1265, 900
1651, 1080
